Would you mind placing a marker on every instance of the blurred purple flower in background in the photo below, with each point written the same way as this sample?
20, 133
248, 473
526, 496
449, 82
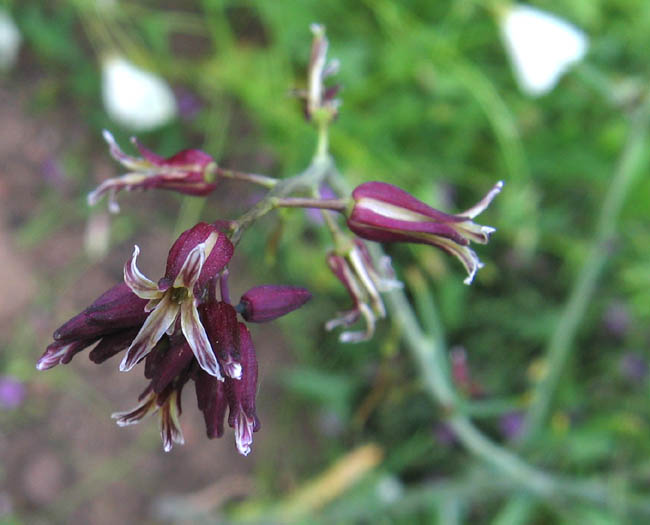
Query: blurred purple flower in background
511, 425
12, 392
52, 172
634, 366
189, 104
616, 319
315, 215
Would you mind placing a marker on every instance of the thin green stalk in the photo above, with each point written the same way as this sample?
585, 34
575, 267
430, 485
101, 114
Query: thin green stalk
432, 364
561, 343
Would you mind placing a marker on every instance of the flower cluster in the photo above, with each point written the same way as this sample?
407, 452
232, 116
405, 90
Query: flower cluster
184, 326
182, 332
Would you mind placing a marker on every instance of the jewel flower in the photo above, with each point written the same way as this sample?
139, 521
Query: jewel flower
362, 280
385, 213
197, 256
186, 172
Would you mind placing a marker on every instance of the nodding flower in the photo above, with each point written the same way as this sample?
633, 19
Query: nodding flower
382, 212
364, 282
182, 332
188, 172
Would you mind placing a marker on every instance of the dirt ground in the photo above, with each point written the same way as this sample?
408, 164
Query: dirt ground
63, 459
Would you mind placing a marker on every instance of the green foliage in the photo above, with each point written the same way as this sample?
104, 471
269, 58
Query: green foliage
430, 104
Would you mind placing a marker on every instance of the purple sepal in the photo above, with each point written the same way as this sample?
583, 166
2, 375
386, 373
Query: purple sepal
378, 228
187, 157
266, 303
391, 194
211, 400
241, 394
116, 309
175, 361
222, 327
186, 242
62, 352
111, 345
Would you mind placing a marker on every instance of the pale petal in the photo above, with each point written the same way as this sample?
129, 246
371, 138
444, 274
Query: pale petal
466, 255
152, 330
132, 163
133, 416
480, 206
198, 339
232, 369
541, 47
170, 427
112, 186
191, 269
139, 284
244, 433
366, 280
360, 336
51, 358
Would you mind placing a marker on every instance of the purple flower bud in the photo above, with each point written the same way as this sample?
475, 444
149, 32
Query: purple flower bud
268, 302
222, 328
385, 213
116, 309
241, 395
186, 172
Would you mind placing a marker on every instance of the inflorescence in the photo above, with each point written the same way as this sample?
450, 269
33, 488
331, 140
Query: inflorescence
184, 326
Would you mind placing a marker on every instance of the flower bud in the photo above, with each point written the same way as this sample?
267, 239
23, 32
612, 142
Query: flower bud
268, 302
385, 213
187, 172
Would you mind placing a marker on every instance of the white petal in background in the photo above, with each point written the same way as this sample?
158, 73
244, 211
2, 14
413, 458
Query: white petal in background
9, 40
541, 47
135, 98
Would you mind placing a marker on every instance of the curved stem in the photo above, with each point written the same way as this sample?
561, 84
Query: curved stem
433, 366
561, 342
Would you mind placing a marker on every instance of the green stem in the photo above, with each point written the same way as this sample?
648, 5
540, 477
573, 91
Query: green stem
433, 366
299, 202
306, 181
561, 342
262, 180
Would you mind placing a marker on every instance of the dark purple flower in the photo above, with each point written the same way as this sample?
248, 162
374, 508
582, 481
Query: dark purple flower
188, 172
385, 213
113, 319
266, 303
12, 392
196, 257
617, 319
188, 103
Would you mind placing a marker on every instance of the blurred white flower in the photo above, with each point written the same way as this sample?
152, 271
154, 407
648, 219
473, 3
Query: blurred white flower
135, 98
9, 40
541, 47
